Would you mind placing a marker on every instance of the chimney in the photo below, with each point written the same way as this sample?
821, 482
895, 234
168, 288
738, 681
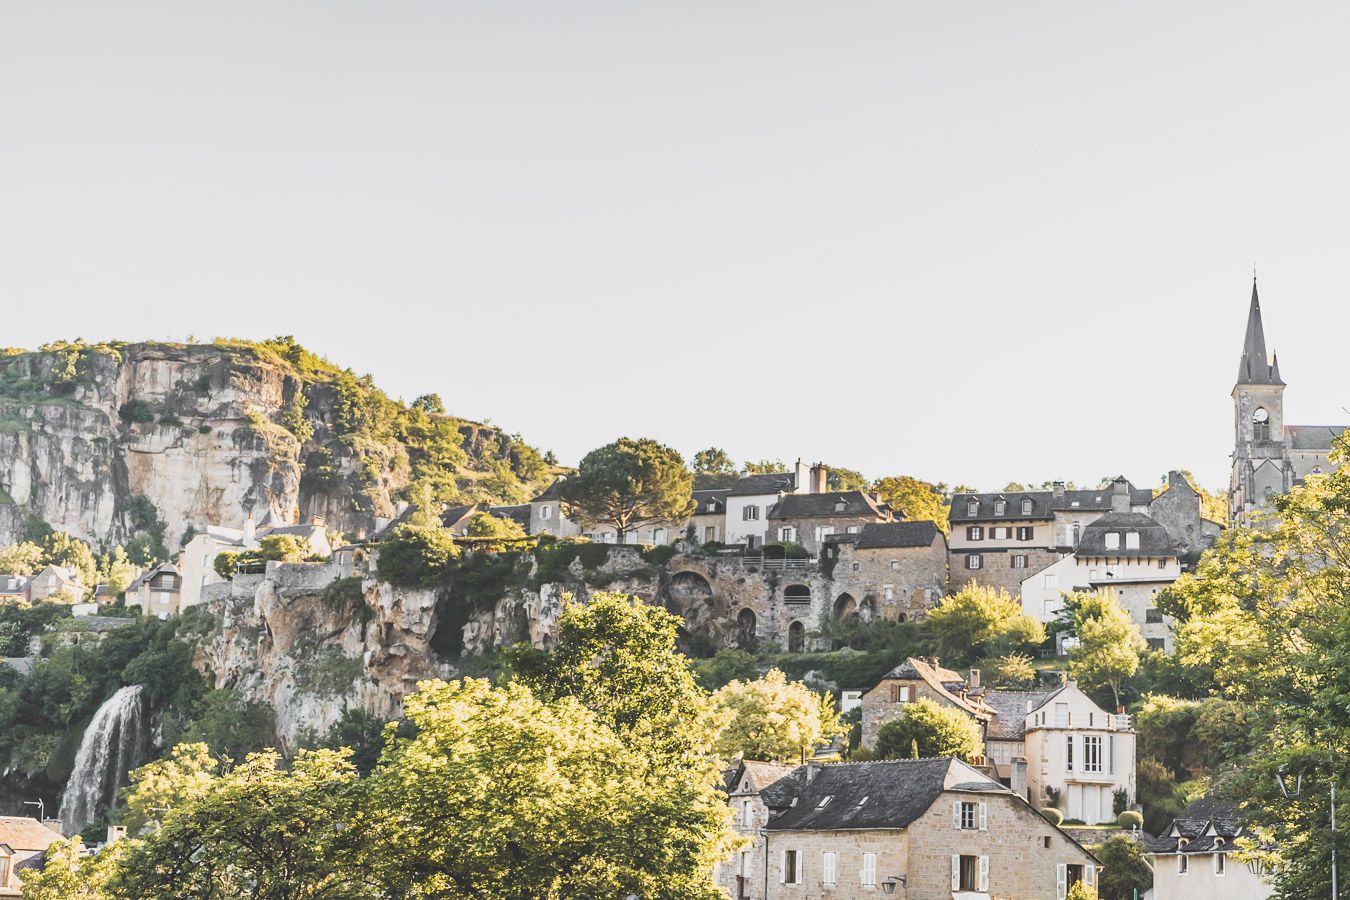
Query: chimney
819, 477
116, 833
974, 679
1120, 495
55, 825
250, 530
1063, 679
317, 521
812, 770
803, 477
935, 661
1058, 490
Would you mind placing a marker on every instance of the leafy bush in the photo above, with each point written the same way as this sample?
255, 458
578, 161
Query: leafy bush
416, 557
136, 412
935, 730
1130, 819
1052, 815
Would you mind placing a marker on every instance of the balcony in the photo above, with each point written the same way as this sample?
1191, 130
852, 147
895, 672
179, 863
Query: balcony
1108, 722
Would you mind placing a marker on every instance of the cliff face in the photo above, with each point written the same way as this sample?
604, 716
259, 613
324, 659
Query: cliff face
210, 434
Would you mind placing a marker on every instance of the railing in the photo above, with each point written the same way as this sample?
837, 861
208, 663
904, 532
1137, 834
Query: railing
1109, 722
770, 565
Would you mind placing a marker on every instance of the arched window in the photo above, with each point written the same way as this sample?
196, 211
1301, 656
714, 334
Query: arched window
745, 630
1260, 424
797, 593
796, 637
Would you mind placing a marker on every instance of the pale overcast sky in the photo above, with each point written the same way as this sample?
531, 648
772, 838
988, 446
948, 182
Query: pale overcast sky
971, 242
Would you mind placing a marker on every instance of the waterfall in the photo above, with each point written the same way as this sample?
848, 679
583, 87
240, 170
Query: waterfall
112, 745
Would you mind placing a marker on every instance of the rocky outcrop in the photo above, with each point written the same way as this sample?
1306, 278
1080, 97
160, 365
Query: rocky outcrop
109, 441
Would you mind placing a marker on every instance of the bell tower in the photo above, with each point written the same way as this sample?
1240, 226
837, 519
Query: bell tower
1261, 466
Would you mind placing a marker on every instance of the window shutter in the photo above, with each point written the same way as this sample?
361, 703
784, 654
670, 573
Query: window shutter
1090, 873
984, 873
956, 814
956, 872
1111, 753
801, 867
1061, 880
984, 819
782, 867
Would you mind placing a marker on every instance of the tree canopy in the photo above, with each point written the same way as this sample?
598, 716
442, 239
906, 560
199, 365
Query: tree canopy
629, 483
913, 499
1109, 642
981, 622
929, 729
772, 719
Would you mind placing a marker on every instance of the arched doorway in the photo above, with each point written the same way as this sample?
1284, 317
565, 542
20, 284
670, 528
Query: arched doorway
845, 606
745, 630
796, 637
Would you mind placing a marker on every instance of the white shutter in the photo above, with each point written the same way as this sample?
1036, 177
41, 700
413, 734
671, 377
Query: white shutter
984, 818
956, 872
827, 864
1111, 753
1091, 874
1061, 880
956, 814
984, 873
782, 866
869, 872
801, 867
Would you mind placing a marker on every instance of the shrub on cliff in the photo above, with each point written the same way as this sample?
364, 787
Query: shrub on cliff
416, 557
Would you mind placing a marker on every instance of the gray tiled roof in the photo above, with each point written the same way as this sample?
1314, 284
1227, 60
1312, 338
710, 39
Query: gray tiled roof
519, 514
880, 535
889, 794
1154, 539
550, 493
768, 483
1044, 504
1312, 437
834, 503
1010, 708
710, 501
1192, 823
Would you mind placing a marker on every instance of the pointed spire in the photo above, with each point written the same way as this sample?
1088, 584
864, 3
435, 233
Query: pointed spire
1256, 367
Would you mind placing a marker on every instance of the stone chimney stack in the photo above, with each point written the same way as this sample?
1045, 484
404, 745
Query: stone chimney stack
974, 679
1120, 496
812, 770
1058, 490
819, 478
116, 833
803, 474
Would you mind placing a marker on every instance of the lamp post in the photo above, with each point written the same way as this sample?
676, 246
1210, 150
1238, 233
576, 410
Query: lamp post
1298, 790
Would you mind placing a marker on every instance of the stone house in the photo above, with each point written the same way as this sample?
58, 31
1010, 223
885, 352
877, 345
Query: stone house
457, 518
811, 519
748, 502
709, 521
1178, 510
14, 588
23, 840
546, 514
197, 560
744, 787
916, 679
55, 583
922, 829
1060, 739
890, 570
1193, 860
157, 592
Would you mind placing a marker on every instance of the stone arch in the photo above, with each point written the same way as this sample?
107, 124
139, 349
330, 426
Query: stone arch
796, 638
745, 630
688, 588
797, 593
690, 596
845, 606
902, 617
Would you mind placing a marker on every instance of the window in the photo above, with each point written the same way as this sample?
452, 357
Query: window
1131, 540
966, 814
999, 534
973, 508
969, 872
899, 693
825, 801
828, 865
974, 533
1113, 540
1051, 582
1181, 863
1045, 842
1000, 507
895, 565
1026, 533
546, 512
1220, 863
1157, 644
658, 535
709, 534
840, 505
1092, 753
1019, 561
974, 561
824, 531
887, 592
1152, 616
4, 873
787, 533
1068, 753
791, 867
1026, 507
869, 870
750, 513
855, 529
1162, 563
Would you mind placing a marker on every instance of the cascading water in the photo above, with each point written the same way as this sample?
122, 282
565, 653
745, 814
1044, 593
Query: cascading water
113, 744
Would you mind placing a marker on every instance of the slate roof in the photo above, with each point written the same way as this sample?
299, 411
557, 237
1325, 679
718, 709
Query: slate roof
710, 501
762, 774
1044, 504
147, 575
1192, 823
882, 535
1154, 539
520, 514
767, 483
1312, 437
887, 794
25, 834
810, 506
1256, 367
1010, 711
13, 584
456, 515
944, 682
550, 493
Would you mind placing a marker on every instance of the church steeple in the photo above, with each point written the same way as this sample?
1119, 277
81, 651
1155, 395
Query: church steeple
1256, 366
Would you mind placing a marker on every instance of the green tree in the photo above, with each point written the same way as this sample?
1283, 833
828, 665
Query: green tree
914, 500
772, 719
70, 873
231, 725
837, 478
982, 621
1164, 727
713, 469
416, 557
629, 483
183, 777
486, 525
24, 558
935, 730
1109, 642
1126, 874
1013, 670
764, 466
60, 549
431, 404
116, 571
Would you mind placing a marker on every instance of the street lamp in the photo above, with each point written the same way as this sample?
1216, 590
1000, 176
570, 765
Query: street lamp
1298, 789
889, 885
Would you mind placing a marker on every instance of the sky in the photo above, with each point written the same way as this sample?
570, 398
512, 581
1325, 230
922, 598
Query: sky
973, 243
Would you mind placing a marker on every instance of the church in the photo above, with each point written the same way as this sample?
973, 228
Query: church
1269, 457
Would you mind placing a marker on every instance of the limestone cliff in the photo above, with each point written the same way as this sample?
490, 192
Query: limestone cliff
106, 441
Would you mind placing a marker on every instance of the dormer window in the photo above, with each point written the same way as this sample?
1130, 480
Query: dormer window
1260, 424
824, 801
1026, 507
840, 505
1000, 507
973, 508
1113, 540
1131, 540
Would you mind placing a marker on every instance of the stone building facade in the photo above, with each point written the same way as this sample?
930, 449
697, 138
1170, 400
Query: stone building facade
925, 829
895, 571
917, 679
812, 519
